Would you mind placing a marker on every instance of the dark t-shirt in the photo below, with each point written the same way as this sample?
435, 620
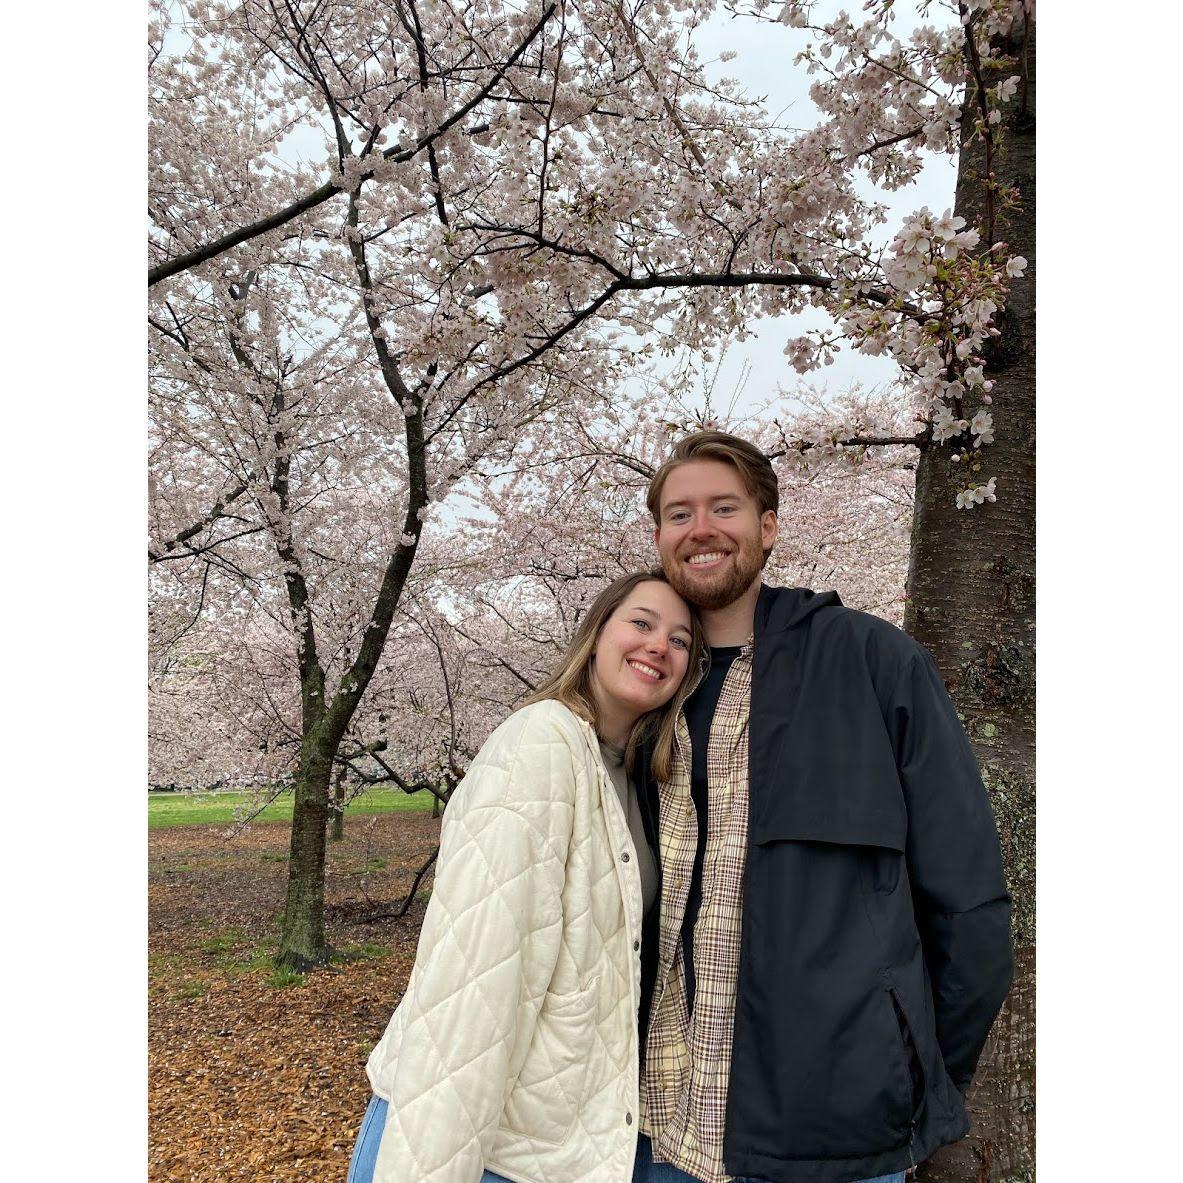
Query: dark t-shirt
700, 710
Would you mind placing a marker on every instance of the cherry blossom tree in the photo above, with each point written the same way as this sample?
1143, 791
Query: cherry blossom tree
508, 212
495, 598
299, 359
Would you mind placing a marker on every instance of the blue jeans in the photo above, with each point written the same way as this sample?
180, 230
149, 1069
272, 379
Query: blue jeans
648, 1171
365, 1149
365, 1154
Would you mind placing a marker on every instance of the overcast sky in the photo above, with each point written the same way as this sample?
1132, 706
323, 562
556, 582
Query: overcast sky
764, 68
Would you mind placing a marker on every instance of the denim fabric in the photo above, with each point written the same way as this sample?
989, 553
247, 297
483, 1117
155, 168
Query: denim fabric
365, 1150
648, 1171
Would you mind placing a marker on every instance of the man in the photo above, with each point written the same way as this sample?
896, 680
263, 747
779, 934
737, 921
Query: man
835, 931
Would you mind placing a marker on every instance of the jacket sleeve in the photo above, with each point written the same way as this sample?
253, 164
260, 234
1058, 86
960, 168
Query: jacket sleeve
487, 951
954, 862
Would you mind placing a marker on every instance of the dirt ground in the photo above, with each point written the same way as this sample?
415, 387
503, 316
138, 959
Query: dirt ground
252, 1075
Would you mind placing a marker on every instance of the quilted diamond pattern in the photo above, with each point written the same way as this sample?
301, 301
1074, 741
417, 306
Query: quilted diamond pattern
515, 1045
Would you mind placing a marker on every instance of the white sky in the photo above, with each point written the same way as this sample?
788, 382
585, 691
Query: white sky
764, 68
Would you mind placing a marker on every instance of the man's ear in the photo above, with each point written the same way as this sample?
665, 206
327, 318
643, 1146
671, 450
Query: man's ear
657, 537
769, 529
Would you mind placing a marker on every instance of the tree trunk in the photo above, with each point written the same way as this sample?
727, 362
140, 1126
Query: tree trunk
971, 601
302, 942
337, 832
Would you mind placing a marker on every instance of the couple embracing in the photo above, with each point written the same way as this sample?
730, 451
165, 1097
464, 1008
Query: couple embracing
724, 900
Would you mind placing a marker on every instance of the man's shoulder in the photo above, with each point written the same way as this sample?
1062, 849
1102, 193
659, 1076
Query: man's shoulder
832, 625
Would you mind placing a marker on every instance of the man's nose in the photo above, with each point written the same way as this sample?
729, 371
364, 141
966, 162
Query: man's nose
701, 526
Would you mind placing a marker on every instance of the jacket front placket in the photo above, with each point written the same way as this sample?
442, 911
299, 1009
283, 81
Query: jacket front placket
628, 871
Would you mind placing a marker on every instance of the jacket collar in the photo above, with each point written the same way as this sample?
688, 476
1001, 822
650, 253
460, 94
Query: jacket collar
780, 608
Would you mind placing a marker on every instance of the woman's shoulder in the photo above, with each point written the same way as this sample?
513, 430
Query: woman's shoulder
538, 750
539, 721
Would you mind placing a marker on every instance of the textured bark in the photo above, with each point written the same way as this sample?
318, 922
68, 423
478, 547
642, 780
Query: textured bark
971, 601
302, 941
337, 809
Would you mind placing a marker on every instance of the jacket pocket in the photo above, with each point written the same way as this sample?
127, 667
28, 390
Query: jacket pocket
913, 1061
817, 1045
549, 1091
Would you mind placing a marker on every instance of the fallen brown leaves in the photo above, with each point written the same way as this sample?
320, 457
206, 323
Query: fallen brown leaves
247, 1080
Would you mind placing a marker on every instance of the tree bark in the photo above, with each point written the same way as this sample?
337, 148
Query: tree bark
971, 601
337, 830
302, 940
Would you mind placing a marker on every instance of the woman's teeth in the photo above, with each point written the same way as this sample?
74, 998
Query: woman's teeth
647, 670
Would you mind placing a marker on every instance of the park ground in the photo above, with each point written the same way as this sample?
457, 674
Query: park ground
254, 1074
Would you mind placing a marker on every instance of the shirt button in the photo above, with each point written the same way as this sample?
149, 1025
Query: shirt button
624, 857
636, 946
628, 1119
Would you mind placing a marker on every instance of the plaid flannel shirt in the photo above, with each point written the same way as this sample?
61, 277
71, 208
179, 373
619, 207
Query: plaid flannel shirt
688, 1060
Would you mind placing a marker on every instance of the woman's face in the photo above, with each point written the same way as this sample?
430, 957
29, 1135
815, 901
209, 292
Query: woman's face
641, 654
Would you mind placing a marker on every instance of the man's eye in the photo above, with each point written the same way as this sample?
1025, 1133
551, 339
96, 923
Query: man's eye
726, 509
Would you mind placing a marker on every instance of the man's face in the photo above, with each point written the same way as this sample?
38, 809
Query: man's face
710, 534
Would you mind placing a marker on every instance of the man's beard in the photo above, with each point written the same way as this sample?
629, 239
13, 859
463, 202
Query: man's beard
719, 591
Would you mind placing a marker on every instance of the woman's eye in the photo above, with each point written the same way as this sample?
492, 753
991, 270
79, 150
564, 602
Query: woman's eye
681, 642
641, 623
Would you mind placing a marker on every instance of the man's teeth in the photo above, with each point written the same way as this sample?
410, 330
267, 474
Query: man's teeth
646, 669
698, 560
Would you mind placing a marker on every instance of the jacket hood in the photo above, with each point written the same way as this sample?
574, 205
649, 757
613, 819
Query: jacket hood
780, 608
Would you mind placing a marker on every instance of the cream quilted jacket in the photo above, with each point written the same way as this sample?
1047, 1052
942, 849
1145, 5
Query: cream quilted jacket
515, 1045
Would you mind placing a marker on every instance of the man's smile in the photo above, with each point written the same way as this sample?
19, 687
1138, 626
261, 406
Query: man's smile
707, 558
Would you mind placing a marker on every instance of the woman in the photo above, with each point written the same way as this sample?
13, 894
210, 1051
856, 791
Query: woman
514, 1052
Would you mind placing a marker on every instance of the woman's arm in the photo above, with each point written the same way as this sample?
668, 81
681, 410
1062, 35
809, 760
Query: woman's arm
487, 951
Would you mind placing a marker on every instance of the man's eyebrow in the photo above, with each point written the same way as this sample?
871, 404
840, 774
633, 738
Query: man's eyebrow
717, 497
657, 616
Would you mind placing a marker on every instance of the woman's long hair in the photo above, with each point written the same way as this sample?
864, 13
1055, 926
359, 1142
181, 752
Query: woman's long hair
571, 684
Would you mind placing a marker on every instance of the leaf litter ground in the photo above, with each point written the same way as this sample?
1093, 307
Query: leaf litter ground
252, 1075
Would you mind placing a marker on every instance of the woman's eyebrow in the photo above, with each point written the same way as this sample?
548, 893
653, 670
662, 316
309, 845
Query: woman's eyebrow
657, 616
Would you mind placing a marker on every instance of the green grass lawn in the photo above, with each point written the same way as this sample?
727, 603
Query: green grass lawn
217, 809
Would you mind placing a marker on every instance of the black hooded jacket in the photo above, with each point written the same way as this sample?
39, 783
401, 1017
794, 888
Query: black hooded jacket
875, 948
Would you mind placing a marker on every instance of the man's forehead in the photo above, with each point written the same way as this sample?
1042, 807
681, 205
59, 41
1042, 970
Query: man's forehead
702, 480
